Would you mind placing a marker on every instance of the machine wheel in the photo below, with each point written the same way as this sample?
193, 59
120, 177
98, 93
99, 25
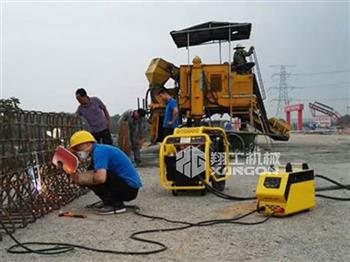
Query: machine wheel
219, 185
203, 192
250, 143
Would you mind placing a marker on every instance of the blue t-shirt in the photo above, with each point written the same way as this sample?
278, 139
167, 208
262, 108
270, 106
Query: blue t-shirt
115, 161
168, 116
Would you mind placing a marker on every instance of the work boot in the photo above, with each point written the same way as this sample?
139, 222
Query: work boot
95, 205
110, 210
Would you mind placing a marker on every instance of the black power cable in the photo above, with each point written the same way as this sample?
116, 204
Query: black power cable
339, 185
223, 195
53, 248
333, 198
330, 188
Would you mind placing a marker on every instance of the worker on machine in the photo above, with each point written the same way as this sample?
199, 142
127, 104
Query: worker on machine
171, 120
97, 116
240, 63
132, 128
113, 177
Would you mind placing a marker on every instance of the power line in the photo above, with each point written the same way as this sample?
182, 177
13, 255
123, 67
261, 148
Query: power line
344, 85
321, 73
311, 87
320, 99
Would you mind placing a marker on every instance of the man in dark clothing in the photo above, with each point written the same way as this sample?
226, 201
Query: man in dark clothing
240, 63
136, 123
97, 116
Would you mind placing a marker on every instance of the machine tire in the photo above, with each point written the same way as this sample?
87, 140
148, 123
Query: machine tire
203, 192
237, 143
219, 185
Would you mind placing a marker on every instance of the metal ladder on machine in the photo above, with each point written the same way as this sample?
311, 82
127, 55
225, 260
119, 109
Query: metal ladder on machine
262, 92
258, 72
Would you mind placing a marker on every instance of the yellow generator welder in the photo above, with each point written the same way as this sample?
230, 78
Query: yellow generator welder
286, 192
192, 156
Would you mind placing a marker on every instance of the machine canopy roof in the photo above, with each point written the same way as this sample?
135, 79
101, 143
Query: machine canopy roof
211, 31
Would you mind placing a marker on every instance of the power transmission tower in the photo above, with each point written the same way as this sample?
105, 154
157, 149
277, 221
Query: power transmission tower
283, 87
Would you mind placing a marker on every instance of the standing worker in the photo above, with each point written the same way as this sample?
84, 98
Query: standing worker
132, 128
171, 120
113, 177
240, 63
97, 116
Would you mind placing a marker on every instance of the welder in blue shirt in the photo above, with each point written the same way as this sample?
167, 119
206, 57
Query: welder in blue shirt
171, 119
113, 179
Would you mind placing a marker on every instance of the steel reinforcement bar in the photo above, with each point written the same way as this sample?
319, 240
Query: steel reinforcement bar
30, 186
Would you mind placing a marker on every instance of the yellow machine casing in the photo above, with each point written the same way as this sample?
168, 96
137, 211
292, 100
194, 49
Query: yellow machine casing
287, 192
203, 90
203, 140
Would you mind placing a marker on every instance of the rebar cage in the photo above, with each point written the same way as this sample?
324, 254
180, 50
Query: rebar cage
30, 186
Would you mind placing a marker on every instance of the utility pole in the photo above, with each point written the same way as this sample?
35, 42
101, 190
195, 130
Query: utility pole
283, 87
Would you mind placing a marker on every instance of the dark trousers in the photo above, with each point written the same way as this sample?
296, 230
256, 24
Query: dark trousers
136, 149
244, 68
135, 145
103, 137
167, 131
114, 191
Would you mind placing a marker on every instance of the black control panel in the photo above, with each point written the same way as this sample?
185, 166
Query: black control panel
272, 182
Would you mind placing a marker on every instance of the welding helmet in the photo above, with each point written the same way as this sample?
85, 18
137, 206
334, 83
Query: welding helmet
81, 137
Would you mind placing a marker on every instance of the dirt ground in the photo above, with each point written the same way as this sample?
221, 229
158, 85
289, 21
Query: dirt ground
320, 235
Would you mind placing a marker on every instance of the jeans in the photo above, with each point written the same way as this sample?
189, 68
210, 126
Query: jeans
114, 191
167, 131
103, 137
135, 146
136, 150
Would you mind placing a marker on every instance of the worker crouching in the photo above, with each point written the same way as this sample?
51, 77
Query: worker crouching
113, 177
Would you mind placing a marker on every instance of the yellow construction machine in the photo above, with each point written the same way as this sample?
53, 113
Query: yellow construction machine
204, 91
193, 156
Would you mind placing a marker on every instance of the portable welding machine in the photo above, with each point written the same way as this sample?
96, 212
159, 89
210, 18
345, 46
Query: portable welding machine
286, 191
193, 155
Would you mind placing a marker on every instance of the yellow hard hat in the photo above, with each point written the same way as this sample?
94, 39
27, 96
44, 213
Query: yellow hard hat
81, 137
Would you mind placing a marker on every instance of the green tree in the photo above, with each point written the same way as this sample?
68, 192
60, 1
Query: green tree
10, 103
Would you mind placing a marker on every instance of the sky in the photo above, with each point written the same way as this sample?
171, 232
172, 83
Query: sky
49, 49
